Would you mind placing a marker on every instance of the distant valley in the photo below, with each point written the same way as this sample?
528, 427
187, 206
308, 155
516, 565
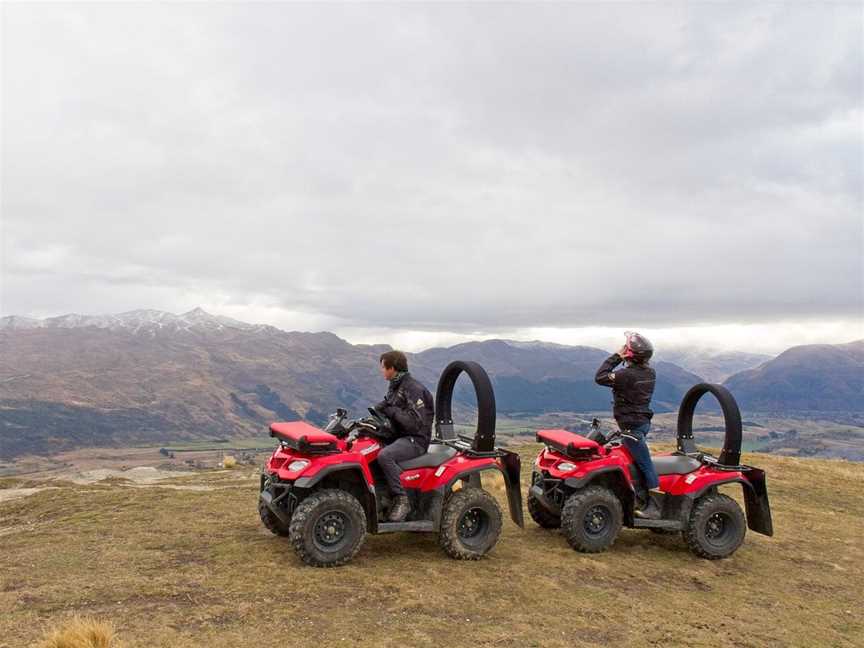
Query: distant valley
713, 366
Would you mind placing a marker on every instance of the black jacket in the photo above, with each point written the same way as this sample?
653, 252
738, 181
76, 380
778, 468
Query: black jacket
632, 389
411, 409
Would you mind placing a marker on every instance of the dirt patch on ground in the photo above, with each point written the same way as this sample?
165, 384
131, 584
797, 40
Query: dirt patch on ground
137, 475
9, 494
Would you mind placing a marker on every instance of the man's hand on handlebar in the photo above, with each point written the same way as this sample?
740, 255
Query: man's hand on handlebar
614, 437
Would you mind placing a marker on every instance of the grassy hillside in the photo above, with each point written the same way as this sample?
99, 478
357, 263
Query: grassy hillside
186, 563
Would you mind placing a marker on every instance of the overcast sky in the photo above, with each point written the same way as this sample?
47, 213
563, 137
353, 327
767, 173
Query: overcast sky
427, 174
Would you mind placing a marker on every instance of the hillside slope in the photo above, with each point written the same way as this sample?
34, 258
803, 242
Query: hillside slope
815, 377
62, 388
187, 563
536, 377
149, 377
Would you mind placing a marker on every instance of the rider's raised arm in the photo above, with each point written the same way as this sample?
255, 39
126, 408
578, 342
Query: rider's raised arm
605, 374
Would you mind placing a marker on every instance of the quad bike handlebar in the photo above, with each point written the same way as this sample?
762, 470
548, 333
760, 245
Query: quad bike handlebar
337, 424
603, 439
375, 425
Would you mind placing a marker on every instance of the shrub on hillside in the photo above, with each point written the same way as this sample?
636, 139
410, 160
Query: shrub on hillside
83, 633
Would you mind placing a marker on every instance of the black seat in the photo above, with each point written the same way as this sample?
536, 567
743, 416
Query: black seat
675, 464
437, 454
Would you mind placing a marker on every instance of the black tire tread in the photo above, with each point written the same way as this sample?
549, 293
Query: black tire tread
705, 506
301, 517
541, 516
454, 506
271, 522
570, 518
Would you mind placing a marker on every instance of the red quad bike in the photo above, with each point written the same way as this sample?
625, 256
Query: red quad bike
585, 485
324, 490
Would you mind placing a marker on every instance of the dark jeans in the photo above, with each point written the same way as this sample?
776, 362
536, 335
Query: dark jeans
634, 441
401, 449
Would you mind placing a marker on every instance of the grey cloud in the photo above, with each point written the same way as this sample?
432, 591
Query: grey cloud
448, 168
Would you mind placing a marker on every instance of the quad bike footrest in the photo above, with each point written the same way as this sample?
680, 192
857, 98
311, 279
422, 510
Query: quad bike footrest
415, 525
668, 525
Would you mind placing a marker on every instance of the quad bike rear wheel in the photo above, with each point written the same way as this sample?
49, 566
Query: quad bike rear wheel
269, 519
470, 524
591, 519
716, 528
328, 528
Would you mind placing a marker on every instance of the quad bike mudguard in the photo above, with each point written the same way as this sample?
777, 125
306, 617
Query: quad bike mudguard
512, 471
756, 504
483, 444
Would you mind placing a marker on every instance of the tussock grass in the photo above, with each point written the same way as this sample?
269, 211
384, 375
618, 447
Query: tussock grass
82, 633
229, 462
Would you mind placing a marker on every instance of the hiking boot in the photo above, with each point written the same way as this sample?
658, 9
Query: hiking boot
401, 509
650, 511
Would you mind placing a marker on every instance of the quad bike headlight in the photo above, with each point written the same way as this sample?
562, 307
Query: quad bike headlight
566, 466
298, 465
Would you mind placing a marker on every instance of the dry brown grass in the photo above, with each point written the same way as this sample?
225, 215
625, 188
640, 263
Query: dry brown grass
185, 569
82, 633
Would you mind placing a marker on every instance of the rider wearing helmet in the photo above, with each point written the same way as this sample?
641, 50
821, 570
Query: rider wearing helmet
632, 389
409, 406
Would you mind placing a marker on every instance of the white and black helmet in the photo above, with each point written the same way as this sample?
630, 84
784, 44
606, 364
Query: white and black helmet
638, 347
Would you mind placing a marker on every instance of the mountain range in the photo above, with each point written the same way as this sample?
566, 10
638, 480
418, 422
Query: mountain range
809, 378
146, 377
713, 365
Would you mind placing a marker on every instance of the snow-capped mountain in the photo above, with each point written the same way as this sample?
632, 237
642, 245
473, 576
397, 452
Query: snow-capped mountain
146, 321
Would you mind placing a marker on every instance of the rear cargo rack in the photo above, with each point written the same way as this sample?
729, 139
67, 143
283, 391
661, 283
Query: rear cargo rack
464, 444
562, 441
306, 442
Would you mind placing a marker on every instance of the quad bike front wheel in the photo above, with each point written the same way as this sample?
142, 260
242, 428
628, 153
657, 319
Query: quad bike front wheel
716, 528
269, 520
328, 528
540, 514
470, 524
591, 519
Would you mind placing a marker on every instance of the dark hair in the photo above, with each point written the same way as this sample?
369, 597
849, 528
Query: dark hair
394, 360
